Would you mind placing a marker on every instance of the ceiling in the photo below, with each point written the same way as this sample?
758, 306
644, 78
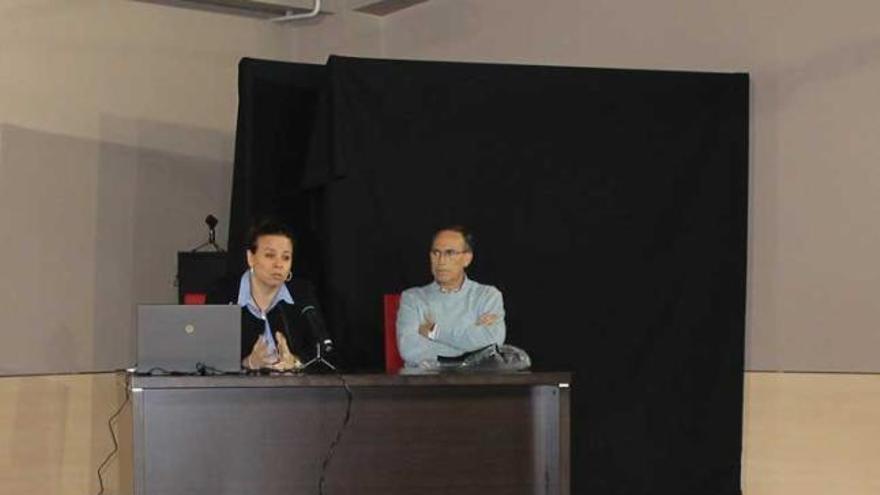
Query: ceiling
276, 9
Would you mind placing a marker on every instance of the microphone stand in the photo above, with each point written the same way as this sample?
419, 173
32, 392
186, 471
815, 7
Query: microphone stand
319, 358
211, 242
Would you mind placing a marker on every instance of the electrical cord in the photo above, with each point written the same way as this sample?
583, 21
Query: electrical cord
157, 371
332, 449
202, 370
110, 421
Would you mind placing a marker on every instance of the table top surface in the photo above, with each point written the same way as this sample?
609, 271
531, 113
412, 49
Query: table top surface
404, 378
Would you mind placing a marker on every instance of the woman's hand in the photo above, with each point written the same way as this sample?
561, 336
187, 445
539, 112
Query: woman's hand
260, 357
288, 360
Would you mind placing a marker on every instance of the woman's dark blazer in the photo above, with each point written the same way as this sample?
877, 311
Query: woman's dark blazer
282, 316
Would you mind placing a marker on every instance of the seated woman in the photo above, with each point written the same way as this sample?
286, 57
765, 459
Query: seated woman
274, 333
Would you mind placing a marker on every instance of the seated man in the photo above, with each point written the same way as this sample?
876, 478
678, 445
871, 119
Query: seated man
454, 314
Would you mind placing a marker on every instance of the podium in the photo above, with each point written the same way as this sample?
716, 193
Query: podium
430, 434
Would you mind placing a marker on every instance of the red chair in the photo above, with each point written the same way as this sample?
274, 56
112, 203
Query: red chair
195, 298
393, 361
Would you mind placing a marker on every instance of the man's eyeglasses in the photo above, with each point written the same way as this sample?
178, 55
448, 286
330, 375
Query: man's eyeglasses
446, 253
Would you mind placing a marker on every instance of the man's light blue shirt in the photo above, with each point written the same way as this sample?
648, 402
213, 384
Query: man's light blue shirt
455, 316
246, 300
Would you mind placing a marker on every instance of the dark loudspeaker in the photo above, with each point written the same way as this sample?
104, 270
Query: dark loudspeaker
197, 273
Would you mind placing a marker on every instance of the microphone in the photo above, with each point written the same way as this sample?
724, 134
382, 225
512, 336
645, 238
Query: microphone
316, 325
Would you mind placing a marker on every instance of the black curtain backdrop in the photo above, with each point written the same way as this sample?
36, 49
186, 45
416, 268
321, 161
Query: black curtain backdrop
277, 115
609, 206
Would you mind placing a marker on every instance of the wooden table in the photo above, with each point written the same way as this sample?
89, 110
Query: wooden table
425, 434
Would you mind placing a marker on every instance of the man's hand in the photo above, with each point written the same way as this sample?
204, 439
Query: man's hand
487, 319
426, 327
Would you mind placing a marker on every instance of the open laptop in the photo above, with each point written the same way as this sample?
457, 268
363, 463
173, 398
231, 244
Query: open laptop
185, 338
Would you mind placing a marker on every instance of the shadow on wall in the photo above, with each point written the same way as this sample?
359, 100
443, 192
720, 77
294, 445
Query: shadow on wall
92, 229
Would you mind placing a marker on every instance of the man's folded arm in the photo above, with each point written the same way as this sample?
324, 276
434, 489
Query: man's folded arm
474, 335
413, 347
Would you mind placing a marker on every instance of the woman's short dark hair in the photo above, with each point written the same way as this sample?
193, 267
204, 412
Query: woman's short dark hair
461, 229
268, 226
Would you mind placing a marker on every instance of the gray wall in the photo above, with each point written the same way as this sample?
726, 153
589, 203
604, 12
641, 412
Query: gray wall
91, 229
117, 124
